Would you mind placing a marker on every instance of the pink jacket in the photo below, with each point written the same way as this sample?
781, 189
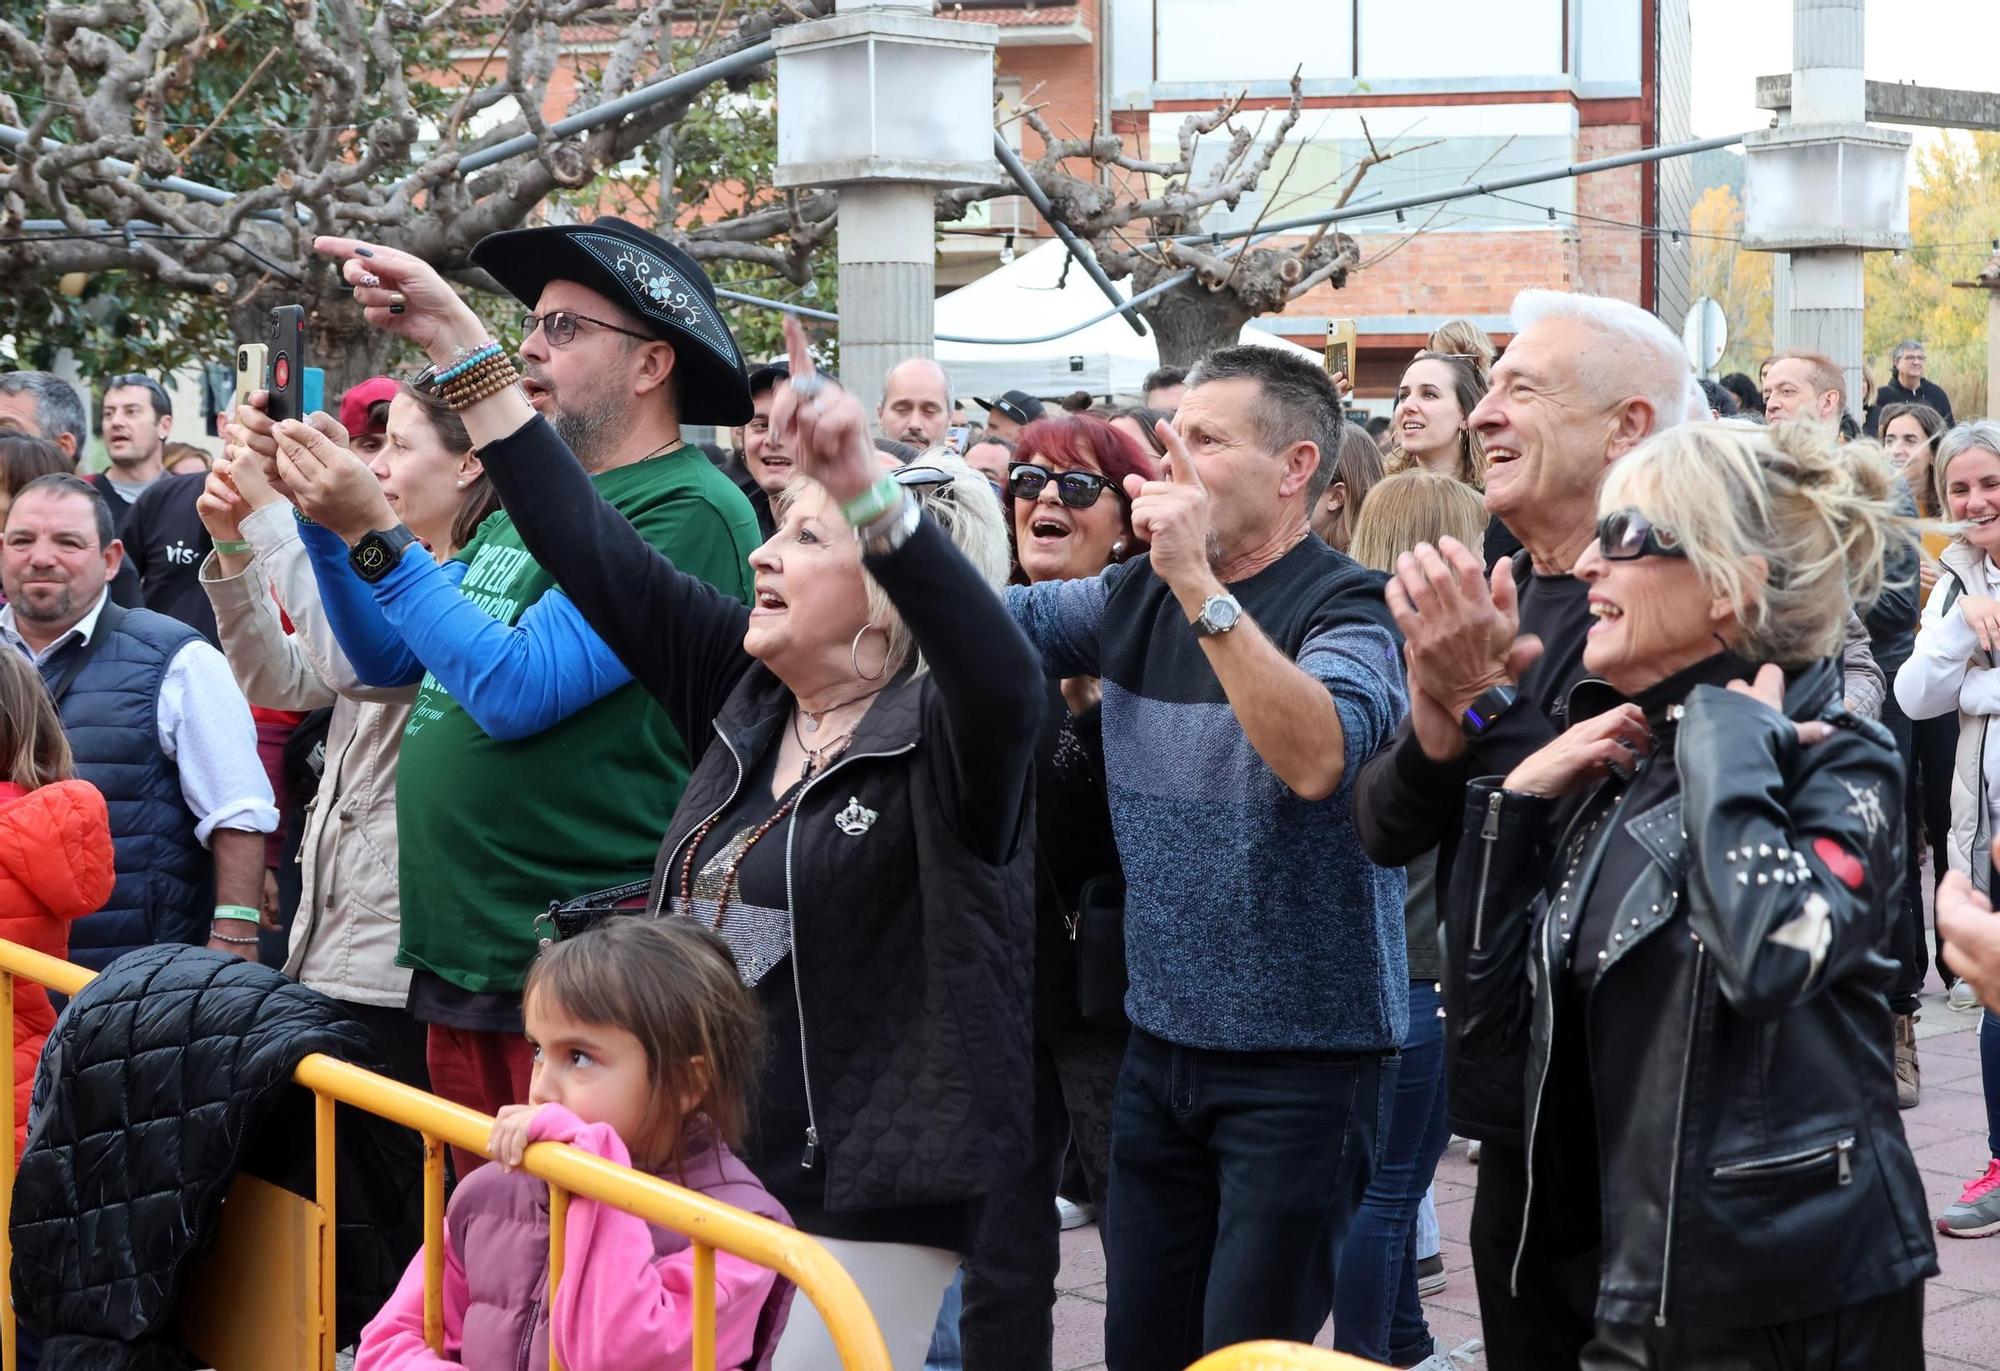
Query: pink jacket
626, 1300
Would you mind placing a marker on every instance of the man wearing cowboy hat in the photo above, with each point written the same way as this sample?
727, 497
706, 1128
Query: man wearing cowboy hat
533, 769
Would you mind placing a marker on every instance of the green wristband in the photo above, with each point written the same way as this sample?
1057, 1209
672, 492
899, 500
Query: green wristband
232, 547
240, 913
872, 503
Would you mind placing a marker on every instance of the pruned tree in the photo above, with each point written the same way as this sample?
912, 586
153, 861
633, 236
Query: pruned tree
1135, 213
354, 117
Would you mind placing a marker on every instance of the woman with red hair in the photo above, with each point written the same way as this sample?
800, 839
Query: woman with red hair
1071, 518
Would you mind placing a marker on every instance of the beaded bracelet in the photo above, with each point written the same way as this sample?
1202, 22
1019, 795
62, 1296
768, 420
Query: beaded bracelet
462, 400
467, 361
459, 386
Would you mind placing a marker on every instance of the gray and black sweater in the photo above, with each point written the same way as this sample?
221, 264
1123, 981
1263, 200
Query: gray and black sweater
1253, 920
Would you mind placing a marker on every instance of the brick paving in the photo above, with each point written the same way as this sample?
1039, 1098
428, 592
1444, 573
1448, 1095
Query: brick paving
1947, 1132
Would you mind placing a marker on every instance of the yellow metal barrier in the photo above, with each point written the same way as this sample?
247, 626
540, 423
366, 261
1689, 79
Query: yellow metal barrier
1280, 1356
711, 1226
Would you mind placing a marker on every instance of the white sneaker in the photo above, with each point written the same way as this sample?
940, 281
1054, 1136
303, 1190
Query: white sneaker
1472, 1151
1071, 1215
1962, 997
1450, 1359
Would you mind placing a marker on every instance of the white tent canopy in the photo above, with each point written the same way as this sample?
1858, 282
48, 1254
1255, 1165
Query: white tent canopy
1024, 300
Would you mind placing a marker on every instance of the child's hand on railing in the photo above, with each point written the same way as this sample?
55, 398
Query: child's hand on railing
508, 1141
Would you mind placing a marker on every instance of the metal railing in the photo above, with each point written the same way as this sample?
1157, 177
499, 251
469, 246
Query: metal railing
710, 1225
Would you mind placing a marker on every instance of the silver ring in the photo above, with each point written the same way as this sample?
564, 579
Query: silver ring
809, 386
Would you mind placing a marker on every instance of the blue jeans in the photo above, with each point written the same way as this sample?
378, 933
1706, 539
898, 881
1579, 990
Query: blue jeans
1376, 1312
1233, 1178
1989, 1077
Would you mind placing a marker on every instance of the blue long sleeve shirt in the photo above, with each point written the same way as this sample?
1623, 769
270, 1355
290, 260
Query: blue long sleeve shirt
514, 680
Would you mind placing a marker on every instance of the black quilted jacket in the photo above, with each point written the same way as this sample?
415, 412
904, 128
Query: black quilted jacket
167, 1075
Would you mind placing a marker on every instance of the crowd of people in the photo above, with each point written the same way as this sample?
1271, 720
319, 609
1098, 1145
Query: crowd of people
932, 827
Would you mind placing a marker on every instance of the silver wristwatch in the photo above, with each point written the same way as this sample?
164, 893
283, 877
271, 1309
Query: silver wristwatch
1219, 614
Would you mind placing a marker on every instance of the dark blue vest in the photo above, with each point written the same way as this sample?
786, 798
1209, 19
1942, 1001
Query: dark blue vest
110, 710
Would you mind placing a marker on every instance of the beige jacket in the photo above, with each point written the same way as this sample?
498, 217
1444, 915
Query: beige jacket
344, 938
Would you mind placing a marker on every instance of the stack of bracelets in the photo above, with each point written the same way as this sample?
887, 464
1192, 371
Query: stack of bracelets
484, 371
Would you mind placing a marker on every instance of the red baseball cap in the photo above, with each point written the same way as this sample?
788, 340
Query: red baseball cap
354, 405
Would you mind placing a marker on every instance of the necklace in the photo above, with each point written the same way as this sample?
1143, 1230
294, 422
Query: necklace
818, 757
813, 717
830, 752
672, 446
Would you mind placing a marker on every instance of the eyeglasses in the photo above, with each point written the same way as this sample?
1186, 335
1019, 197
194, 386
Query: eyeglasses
559, 327
1077, 489
1626, 535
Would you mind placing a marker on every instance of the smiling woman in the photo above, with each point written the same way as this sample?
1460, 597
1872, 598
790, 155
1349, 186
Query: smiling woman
1694, 880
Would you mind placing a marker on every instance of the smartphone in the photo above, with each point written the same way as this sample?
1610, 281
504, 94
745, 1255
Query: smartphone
253, 365
1340, 338
957, 435
285, 335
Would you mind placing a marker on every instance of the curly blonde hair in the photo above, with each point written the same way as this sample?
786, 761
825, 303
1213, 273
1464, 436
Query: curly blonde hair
1786, 523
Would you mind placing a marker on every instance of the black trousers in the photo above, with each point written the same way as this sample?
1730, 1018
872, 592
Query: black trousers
1927, 814
1905, 943
1882, 1334
1545, 1321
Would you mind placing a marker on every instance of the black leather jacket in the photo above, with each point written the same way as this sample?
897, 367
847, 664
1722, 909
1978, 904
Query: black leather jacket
1752, 1167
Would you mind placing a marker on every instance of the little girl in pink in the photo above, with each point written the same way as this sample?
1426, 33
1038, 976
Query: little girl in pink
645, 1042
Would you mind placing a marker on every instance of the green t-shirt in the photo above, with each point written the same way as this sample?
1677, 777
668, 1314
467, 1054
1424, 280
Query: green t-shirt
490, 832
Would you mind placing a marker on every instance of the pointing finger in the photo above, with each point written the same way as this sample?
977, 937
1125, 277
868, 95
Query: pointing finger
1178, 465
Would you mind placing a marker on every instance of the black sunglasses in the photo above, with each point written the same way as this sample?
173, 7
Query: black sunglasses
1077, 489
1625, 535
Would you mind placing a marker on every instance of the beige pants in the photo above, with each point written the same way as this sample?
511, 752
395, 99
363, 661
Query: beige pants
903, 1284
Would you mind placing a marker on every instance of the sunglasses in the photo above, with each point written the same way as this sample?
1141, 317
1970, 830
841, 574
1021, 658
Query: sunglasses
921, 477
1626, 535
559, 326
1077, 489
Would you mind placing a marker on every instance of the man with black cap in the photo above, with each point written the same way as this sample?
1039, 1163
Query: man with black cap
533, 770
1012, 412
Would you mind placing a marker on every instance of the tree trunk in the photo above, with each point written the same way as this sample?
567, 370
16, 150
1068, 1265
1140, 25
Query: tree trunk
1191, 321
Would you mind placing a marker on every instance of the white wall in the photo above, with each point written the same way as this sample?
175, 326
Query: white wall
1452, 39
1254, 40
1607, 41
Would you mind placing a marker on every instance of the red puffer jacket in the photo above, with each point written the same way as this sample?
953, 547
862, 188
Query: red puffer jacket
55, 865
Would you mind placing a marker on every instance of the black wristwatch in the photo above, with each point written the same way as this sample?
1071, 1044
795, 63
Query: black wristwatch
376, 555
1486, 711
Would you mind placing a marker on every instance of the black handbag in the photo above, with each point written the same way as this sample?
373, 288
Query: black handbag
567, 918
1097, 938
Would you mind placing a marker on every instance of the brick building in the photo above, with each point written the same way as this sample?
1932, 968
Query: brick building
1497, 89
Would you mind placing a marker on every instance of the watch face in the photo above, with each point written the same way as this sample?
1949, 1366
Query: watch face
1222, 613
371, 557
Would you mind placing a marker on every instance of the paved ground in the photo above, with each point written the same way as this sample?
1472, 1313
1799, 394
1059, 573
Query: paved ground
1946, 1130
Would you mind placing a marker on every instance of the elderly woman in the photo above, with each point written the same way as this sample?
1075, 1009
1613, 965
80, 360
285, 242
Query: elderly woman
343, 941
1678, 907
858, 821
1952, 674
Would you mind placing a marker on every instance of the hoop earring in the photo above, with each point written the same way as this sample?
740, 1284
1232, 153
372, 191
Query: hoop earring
854, 653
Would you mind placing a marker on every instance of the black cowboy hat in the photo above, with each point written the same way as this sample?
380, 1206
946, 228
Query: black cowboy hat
656, 281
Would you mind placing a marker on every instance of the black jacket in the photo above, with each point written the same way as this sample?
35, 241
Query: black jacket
1752, 1164
911, 859
1405, 805
1928, 392
167, 1075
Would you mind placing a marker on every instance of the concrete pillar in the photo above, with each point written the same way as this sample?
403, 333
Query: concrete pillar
1827, 85
1826, 312
888, 255
1823, 311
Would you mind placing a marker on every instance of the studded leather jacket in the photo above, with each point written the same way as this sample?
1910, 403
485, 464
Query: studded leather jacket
1751, 1164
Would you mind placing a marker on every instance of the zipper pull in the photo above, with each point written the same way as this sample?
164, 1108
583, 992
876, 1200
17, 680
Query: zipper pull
1845, 1167
1491, 828
812, 1148
1070, 921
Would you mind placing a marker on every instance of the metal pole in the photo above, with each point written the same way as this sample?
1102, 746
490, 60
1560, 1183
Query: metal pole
1470, 188
1077, 247
693, 79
